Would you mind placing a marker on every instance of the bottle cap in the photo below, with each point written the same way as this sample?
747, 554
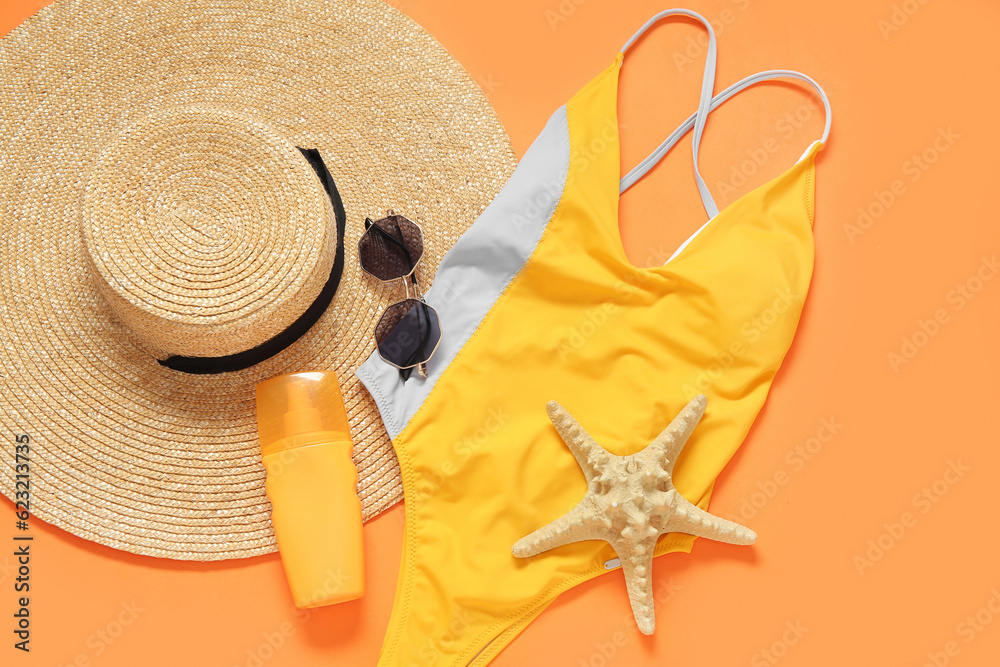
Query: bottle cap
299, 404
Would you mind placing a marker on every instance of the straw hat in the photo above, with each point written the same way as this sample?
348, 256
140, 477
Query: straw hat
154, 204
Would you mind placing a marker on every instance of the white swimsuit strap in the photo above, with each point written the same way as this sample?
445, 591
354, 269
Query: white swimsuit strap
657, 155
700, 118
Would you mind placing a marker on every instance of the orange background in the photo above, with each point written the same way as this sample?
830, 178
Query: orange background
895, 88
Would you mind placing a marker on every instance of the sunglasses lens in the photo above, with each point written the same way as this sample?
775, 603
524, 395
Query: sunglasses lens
391, 247
408, 333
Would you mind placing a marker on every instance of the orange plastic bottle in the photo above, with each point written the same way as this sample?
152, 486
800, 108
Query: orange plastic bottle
305, 444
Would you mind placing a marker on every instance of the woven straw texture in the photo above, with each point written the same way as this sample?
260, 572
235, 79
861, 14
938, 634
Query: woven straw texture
153, 203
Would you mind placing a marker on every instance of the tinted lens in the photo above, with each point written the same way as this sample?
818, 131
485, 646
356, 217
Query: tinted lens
391, 247
408, 333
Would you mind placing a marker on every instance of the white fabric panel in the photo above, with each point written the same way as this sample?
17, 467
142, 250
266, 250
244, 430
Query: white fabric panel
476, 271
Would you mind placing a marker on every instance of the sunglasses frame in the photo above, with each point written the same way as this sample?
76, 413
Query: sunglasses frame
421, 366
374, 223
422, 371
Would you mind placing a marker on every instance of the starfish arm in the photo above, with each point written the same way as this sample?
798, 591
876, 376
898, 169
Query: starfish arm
638, 570
691, 519
570, 527
584, 448
671, 441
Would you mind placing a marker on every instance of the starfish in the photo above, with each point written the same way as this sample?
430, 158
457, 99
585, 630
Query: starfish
630, 502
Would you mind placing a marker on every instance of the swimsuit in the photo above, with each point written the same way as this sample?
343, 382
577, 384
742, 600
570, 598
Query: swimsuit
538, 302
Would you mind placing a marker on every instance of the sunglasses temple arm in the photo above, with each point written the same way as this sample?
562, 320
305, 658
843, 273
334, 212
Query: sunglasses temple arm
422, 366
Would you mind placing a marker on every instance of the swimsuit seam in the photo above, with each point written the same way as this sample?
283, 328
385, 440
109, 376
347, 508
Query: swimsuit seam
403, 435
607, 72
514, 275
596, 570
380, 399
410, 533
810, 195
506, 287
489, 632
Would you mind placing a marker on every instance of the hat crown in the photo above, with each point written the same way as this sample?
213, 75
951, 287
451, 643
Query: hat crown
207, 232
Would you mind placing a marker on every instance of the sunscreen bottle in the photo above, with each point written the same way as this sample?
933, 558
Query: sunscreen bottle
305, 444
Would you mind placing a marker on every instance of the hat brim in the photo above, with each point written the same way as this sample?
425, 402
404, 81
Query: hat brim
146, 459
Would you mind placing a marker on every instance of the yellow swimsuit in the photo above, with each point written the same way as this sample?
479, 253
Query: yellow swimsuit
538, 302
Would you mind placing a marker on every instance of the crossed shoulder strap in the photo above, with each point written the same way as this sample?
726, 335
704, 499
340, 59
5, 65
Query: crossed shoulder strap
706, 105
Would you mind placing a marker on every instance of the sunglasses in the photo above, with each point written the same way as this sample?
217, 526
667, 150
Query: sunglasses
408, 333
